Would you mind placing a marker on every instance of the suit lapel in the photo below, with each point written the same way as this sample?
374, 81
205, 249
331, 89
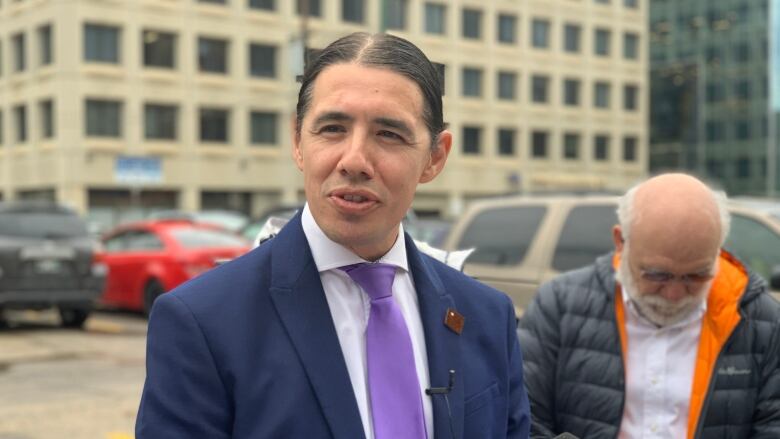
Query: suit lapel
297, 294
442, 344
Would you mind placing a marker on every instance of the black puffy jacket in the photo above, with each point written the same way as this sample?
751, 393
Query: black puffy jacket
573, 363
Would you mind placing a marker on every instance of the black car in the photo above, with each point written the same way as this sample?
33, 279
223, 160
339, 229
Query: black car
47, 260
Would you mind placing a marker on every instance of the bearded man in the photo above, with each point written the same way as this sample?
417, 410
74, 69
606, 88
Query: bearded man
669, 337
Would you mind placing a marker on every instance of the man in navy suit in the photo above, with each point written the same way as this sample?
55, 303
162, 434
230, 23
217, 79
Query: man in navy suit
291, 340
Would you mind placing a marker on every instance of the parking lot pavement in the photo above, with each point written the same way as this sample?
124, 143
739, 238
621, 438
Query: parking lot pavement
65, 383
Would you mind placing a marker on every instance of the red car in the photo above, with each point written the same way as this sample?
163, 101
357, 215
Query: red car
146, 259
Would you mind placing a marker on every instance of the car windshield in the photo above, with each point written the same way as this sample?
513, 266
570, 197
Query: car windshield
229, 220
206, 238
41, 225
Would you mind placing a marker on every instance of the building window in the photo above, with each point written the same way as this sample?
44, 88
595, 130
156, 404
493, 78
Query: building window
601, 95
395, 14
2, 133
160, 121
214, 125
45, 45
262, 60
103, 118
267, 5
472, 82
101, 43
715, 92
715, 131
571, 92
20, 123
507, 28
539, 85
742, 90
571, 38
212, 55
46, 111
743, 167
539, 144
630, 94
159, 49
20, 55
472, 23
601, 148
353, 11
540, 33
506, 85
631, 3
310, 8
262, 129
742, 53
629, 149
506, 142
471, 140
571, 146
602, 37
441, 69
742, 130
435, 18
630, 46
216, 2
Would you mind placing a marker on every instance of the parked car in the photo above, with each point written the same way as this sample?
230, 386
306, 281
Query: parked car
227, 219
523, 241
146, 259
47, 260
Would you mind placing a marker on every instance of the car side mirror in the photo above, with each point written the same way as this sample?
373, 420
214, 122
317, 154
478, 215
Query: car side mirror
774, 281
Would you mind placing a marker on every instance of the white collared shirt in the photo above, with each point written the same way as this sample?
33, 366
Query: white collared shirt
660, 364
350, 307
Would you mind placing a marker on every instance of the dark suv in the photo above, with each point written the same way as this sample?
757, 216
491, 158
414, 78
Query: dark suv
46, 260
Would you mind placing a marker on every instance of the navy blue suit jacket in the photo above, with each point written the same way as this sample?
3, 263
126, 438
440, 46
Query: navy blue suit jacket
249, 350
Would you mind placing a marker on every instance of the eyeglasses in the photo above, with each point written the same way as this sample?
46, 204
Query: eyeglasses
662, 277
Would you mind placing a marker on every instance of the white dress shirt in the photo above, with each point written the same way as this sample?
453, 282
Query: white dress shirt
350, 306
660, 365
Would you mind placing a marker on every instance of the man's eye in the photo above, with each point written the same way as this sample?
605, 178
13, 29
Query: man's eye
390, 135
332, 129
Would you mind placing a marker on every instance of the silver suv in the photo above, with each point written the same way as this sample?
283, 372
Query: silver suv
523, 241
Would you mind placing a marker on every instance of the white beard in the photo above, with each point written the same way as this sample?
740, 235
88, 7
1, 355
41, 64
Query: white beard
654, 307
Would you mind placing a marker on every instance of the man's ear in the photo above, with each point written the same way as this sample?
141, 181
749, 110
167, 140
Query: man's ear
617, 238
295, 135
438, 157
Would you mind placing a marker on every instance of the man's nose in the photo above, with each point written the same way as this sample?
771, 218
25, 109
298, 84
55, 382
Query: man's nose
674, 290
355, 160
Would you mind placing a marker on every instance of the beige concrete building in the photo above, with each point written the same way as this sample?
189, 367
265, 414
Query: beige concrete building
121, 107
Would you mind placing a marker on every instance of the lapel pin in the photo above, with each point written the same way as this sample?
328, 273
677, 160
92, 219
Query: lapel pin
454, 321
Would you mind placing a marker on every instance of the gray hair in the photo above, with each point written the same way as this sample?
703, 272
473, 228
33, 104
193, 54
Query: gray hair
625, 212
380, 51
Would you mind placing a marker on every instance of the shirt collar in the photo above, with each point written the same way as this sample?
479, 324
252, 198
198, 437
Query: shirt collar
329, 255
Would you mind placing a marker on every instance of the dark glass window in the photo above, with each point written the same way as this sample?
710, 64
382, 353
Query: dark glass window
601, 95
472, 23
214, 125
630, 93
742, 130
472, 82
506, 142
435, 18
472, 140
20, 52
507, 28
101, 43
267, 5
586, 235
742, 89
159, 49
571, 92
571, 38
506, 85
502, 236
601, 46
263, 128
46, 110
630, 46
160, 121
571, 146
311, 8
212, 55
395, 14
539, 144
45, 45
629, 149
539, 85
601, 148
540, 33
20, 122
353, 11
262, 60
103, 118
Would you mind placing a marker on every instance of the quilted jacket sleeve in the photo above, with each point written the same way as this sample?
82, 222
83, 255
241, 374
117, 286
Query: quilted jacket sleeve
766, 418
539, 333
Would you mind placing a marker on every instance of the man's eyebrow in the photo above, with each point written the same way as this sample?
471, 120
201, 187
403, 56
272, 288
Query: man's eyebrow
333, 116
396, 124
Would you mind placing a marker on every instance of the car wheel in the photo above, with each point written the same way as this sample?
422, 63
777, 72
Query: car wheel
73, 317
152, 291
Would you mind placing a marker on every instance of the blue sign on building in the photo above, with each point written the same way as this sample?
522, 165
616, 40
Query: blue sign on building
138, 170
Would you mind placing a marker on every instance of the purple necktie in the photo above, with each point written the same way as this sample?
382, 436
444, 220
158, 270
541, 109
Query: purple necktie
396, 403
